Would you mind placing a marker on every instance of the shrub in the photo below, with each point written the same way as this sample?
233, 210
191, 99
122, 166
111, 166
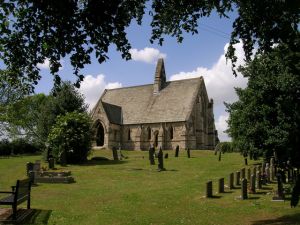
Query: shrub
17, 146
70, 138
224, 147
5, 148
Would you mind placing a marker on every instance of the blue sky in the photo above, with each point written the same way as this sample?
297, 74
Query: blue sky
197, 55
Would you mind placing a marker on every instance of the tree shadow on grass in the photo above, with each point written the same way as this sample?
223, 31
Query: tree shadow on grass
283, 220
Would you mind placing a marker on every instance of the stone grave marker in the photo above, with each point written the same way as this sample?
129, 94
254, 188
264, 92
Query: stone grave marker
177, 151
252, 184
115, 154
221, 185
209, 189
279, 193
237, 178
230, 181
151, 155
160, 156
188, 153
258, 180
267, 173
243, 173
166, 155
249, 174
244, 194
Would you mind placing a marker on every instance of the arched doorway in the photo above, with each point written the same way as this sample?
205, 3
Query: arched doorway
99, 134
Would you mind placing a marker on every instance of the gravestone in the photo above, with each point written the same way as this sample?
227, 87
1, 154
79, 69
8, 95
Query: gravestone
51, 163
37, 165
220, 155
209, 189
188, 153
272, 172
254, 170
243, 173
151, 155
221, 185
230, 181
244, 194
177, 151
237, 178
29, 167
267, 173
249, 174
160, 156
252, 184
272, 161
115, 154
279, 193
263, 167
246, 161
166, 155
258, 180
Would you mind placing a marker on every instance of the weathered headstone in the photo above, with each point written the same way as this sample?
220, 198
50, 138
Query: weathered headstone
237, 178
177, 151
51, 163
209, 189
267, 173
279, 193
37, 165
220, 155
115, 154
252, 184
188, 153
151, 155
272, 172
29, 167
254, 171
221, 185
263, 167
160, 156
272, 161
258, 180
230, 181
166, 155
243, 173
244, 194
246, 161
249, 174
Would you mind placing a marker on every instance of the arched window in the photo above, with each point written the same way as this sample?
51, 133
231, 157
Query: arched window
149, 133
171, 132
129, 135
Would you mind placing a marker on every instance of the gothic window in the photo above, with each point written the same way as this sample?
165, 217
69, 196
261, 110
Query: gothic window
149, 133
129, 135
171, 132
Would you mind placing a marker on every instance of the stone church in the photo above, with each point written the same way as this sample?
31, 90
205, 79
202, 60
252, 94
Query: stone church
164, 114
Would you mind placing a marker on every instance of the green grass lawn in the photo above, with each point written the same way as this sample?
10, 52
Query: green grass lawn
133, 192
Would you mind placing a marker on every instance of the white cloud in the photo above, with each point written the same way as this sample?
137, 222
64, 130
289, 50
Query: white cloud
46, 64
148, 55
92, 88
220, 83
221, 126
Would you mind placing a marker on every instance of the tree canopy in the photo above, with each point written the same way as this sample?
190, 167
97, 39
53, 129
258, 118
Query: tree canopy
32, 31
266, 117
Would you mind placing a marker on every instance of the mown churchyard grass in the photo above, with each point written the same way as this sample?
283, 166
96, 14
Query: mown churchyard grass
131, 192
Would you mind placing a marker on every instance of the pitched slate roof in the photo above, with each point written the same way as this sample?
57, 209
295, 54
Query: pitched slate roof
140, 105
113, 112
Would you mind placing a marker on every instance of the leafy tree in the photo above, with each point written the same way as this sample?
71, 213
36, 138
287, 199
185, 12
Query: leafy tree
267, 116
22, 117
70, 138
32, 31
63, 99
